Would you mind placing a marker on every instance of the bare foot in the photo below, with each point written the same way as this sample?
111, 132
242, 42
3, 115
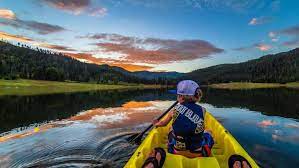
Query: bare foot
150, 165
237, 164
245, 165
158, 157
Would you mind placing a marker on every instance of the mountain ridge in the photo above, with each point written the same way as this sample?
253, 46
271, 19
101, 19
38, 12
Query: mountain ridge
277, 68
22, 61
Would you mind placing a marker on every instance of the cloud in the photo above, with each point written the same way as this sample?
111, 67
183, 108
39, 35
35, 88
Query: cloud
153, 50
273, 36
10, 19
263, 47
38, 27
292, 43
292, 32
6, 36
7, 14
56, 47
259, 20
89, 58
73, 6
259, 46
18, 38
68, 51
76, 7
98, 12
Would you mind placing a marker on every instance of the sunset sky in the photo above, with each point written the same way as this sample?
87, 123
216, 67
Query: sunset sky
161, 35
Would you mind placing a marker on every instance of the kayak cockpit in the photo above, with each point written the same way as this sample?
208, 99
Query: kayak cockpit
224, 147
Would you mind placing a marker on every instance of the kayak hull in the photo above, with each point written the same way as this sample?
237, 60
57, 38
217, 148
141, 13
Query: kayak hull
225, 146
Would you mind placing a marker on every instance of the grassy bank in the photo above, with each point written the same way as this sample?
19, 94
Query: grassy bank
37, 87
248, 85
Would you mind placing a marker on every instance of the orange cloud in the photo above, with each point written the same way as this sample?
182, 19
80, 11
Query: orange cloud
87, 57
263, 47
56, 47
260, 46
84, 57
18, 38
76, 7
153, 50
7, 14
7, 36
73, 6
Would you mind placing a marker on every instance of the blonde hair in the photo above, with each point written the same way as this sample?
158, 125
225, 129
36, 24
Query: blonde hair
195, 98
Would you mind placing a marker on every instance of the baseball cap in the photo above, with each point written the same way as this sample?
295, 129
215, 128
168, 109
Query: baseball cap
187, 87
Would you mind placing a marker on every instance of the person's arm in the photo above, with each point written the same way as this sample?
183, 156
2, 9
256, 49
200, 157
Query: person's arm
164, 121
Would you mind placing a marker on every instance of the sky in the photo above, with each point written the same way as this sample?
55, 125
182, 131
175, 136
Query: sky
154, 35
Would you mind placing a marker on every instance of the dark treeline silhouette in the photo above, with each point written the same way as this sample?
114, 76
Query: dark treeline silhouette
22, 61
277, 68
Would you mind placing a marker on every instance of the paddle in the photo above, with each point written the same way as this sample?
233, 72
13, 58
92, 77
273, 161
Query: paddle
136, 138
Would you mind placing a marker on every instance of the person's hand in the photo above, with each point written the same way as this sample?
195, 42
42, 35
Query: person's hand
155, 122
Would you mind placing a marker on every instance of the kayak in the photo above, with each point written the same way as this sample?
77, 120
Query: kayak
225, 146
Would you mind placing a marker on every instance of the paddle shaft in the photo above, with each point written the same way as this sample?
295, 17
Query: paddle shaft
159, 118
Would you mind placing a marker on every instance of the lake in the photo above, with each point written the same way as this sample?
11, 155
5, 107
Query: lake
90, 129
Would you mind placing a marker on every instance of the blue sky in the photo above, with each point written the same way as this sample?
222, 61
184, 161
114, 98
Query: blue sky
164, 35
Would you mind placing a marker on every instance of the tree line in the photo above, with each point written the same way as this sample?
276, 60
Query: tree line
23, 61
274, 68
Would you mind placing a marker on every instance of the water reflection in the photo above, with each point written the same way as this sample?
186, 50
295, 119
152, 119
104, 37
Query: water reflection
279, 102
93, 127
21, 111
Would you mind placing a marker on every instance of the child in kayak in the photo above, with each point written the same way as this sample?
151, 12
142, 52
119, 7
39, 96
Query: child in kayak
188, 136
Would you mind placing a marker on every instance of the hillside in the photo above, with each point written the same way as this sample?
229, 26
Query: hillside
275, 68
27, 63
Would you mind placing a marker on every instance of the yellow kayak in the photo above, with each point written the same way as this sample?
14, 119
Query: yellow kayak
225, 146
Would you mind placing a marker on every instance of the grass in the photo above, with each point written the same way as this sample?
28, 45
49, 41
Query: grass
37, 87
249, 85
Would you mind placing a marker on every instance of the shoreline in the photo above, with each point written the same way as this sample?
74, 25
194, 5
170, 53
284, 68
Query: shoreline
250, 85
25, 87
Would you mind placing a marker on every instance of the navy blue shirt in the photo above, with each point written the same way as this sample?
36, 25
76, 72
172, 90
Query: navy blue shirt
188, 119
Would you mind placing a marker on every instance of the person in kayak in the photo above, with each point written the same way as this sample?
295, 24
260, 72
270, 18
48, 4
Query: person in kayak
188, 136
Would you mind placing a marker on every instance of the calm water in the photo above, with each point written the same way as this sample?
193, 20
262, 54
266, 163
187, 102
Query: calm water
90, 129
